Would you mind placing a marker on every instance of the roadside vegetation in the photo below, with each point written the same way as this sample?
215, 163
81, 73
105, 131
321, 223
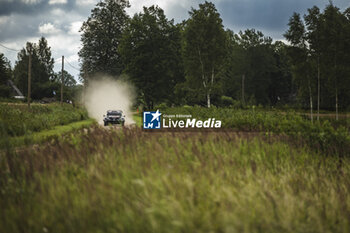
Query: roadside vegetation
17, 119
133, 181
45, 135
21, 126
328, 135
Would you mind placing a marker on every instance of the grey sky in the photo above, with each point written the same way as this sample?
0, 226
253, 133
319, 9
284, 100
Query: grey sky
59, 20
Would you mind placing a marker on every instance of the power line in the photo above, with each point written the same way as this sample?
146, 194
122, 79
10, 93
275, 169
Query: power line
72, 65
15, 50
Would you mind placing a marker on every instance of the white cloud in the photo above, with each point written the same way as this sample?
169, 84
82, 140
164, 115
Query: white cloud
85, 2
31, 1
48, 28
64, 43
51, 2
177, 9
75, 27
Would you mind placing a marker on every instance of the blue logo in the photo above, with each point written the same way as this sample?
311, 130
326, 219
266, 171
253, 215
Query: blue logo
151, 120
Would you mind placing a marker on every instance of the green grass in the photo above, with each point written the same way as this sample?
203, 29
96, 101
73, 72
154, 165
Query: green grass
46, 135
330, 136
18, 120
138, 119
132, 181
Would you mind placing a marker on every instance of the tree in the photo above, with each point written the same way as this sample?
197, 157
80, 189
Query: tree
300, 57
234, 66
69, 85
334, 50
281, 89
150, 49
5, 74
204, 48
321, 50
68, 79
258, 65
313, 36
255, 68
101, 36
345, 98
42, 70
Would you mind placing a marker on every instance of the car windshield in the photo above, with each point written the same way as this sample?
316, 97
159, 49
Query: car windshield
114, 114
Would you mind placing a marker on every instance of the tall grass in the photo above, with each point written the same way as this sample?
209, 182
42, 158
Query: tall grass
17, 120
328, 136
132, 181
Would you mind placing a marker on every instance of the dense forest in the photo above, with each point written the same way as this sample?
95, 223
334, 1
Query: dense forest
200, 62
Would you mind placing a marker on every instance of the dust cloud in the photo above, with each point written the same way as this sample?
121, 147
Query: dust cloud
107, 94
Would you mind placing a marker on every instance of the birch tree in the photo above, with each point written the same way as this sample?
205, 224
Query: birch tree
204, 47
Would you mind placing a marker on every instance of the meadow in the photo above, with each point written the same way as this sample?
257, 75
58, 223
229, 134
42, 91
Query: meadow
252, 176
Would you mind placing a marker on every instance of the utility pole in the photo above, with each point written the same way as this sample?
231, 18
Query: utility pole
62, 80
243, 77
318, 88
29, 48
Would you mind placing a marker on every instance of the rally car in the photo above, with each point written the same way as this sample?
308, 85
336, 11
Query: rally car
114, 117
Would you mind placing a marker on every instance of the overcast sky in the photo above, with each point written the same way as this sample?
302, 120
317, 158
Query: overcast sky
60, 20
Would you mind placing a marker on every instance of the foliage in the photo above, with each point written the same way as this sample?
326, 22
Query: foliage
68, 79
5, 74
41, 72
150, 50
322, 136
204, 49
46, 135
256, 69
70, 88
300, 59
101, 36
131, 181
319, 52
17, 119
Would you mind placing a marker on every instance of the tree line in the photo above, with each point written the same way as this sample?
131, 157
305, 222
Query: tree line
45, 82
320, 56
200, 62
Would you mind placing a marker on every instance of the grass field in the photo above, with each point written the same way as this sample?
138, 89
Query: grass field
131, 181
256, 175
18, 120
20, 126
49, 134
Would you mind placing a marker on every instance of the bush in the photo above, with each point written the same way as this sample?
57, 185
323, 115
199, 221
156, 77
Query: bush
226, 101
